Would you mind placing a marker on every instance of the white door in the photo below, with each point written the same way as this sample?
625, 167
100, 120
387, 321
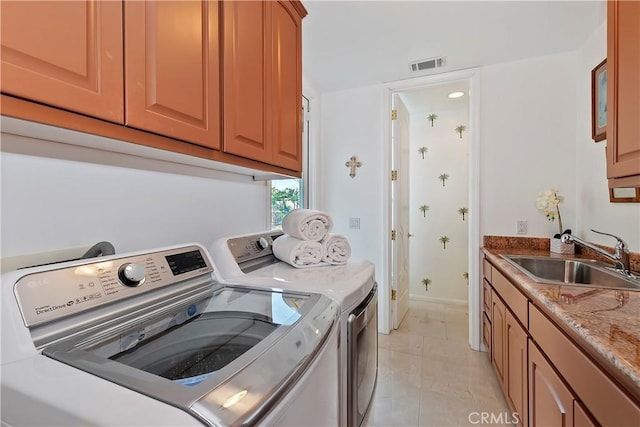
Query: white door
400, 212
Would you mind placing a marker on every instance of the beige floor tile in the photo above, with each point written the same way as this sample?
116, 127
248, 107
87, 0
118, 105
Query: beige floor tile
425, 327
429, 376
390, 412
442, 409
399, 374
401, 342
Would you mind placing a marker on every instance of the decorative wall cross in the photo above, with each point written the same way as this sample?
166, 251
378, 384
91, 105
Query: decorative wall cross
353, 163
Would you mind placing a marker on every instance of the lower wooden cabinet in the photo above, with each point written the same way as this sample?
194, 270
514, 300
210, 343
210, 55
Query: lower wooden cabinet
486, 333
486, 296
515, 379
497, 335
546, 378
604, 399
550, 401
581, 417
509, 355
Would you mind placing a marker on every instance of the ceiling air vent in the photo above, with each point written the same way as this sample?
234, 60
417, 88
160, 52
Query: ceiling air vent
428, 64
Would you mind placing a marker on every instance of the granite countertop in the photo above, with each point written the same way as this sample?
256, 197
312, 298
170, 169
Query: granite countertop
605, 323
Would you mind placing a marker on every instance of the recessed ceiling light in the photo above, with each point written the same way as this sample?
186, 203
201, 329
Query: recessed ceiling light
456, 94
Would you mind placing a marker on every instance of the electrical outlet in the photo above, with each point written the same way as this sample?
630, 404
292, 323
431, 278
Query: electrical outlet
521, 227
354, 223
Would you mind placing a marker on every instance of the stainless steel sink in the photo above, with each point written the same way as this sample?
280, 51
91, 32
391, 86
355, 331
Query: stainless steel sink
575, 272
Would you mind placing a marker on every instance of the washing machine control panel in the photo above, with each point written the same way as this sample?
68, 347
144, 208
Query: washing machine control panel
249, 248
56, 292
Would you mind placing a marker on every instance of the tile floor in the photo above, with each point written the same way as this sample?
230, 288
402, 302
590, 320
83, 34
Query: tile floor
428, 375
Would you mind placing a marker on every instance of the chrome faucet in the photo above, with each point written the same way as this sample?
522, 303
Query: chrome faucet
620, 256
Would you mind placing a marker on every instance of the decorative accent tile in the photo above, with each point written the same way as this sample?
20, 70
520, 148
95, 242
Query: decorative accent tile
542, 244
513, 242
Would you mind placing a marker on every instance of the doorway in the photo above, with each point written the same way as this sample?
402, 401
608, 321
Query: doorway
437, 250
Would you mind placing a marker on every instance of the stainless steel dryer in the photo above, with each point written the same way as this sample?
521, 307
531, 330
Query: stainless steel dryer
151, 339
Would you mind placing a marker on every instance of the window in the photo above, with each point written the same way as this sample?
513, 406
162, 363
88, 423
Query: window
286, 195
290, 194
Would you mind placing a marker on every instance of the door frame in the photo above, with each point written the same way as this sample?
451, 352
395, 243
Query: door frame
473, 76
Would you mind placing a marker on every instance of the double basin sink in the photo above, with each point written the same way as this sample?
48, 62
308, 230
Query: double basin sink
572, 271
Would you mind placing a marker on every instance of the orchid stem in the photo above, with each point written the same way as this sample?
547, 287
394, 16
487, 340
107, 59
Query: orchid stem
559, 219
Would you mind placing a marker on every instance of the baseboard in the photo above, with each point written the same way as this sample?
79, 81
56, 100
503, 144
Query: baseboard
438, 300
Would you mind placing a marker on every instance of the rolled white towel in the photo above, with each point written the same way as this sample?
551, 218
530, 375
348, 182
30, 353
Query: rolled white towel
307, 224
336, 249
296, 252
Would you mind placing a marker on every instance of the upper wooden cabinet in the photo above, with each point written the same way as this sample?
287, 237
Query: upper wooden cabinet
172, 69
287, 86
206, 75
247, 70
623, 93
262, 58
66, 54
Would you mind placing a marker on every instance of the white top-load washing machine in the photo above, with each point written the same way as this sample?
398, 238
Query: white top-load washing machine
150, 338
249, 259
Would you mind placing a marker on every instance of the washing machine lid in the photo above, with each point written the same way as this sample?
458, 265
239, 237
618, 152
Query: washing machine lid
227, 357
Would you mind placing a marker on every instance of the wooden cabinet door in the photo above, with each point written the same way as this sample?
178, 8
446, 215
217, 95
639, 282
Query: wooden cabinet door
67, 54
581, 416
623, 89
172, 69
486, 297
498, 312
247, 79
486, 333
262, 82
550, 401
515, 347
287, 86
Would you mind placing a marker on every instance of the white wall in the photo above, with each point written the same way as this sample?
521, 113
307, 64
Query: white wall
621, 219
79, 196
528, 133
534, 133
447, 153
527, 125
351, 125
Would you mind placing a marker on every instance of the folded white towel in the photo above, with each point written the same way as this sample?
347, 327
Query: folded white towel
336, 249
307, 224
296, 252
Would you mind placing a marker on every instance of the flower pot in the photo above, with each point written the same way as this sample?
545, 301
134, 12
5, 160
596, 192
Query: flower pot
558, 247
